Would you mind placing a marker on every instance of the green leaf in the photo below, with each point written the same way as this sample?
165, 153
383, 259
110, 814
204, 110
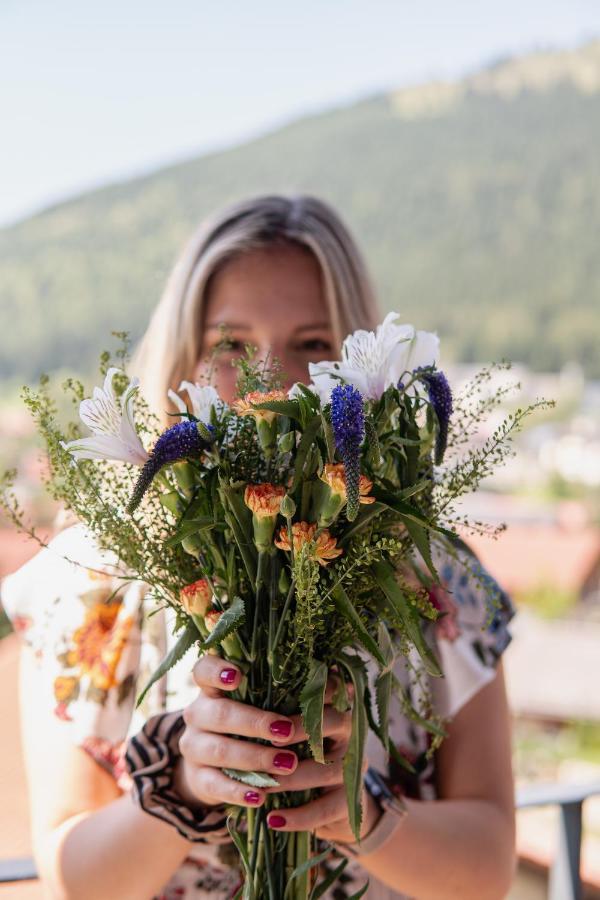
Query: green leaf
172, 501
408, 511
365, 515
189, 637
346, 609
412, 713
311, 396
353, 759
229, 621
305, 867
421, 539
189, 527
329, 439
383, 685
360, 893
239, 518
408, 614
340, 700
374, 451
306, 442
319, 889
254, 779
290, 408
312, 701
241, 848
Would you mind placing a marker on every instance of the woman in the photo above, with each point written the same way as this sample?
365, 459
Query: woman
284, 274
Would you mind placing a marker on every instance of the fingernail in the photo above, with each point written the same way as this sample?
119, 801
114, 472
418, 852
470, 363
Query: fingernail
252, 797
284, 760
274, 821
228, 676
281, 727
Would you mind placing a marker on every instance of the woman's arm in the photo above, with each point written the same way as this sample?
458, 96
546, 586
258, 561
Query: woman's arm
89, 840
463, 844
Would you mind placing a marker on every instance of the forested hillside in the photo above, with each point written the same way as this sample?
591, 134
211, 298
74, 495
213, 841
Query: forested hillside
477, 205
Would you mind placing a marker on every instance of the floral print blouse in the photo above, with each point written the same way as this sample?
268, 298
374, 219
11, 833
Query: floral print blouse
97, 646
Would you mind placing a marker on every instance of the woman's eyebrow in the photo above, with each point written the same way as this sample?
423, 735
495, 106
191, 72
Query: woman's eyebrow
313, 327
238, 325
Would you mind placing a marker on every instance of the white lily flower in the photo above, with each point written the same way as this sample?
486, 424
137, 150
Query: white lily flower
202, 398
114, 432
373, 360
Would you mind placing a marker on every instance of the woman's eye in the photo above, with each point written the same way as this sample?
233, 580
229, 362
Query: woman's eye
230, 346
315, 344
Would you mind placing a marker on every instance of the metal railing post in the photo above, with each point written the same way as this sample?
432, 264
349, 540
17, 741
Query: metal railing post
565, 878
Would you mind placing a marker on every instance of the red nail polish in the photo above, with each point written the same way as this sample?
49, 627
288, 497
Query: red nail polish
281, 727
284, 760
275, 821
252, 797
228, 676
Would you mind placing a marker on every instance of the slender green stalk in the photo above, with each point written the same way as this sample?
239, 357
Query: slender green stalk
290, 863
263, 558
284, 612
302, 854
250, 817
269, 861
260, 839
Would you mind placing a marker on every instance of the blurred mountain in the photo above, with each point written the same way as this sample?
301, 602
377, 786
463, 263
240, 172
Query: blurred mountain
477, 204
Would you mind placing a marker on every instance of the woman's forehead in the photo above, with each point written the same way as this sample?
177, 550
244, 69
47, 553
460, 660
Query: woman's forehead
275, 285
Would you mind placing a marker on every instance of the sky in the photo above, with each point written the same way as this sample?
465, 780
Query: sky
93, 93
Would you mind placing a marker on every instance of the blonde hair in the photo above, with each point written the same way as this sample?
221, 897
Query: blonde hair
170, 348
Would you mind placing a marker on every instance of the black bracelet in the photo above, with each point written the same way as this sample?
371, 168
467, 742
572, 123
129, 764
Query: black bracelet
151, 755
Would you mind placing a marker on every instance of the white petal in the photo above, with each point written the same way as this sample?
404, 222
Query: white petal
203, 398
100, 413
128, 432
100, 447
424, 350
325, 376
177, 400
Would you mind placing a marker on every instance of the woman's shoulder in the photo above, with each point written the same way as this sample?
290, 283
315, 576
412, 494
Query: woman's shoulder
83, 622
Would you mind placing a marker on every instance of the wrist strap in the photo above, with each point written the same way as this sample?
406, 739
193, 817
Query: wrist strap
393, 812
150, 757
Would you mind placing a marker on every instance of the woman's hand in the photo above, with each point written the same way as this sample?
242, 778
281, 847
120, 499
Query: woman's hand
207, 744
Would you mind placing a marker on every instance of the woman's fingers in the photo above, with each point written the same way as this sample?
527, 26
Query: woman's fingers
335, 725
213, 674
331, 807
311, 774
206, 749
227, 716
216, 787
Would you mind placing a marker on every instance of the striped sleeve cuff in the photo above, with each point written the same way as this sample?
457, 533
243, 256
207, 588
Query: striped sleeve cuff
150, 758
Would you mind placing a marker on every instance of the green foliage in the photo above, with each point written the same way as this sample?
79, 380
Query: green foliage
547, 600
286, 613
479, 220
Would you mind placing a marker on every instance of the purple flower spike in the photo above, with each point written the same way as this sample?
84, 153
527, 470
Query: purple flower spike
181, 441
440, 397
348, 422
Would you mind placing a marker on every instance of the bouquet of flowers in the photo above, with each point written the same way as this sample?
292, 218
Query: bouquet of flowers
292, 532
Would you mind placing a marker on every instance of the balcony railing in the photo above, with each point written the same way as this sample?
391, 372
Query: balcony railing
565, 873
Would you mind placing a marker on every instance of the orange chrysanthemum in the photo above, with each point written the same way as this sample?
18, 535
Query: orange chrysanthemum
196, 598
334, 475
302, 533
264, 499
244, 405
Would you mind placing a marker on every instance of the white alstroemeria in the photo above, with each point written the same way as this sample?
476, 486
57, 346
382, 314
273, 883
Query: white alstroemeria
202, 398
114, 435
373, 360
